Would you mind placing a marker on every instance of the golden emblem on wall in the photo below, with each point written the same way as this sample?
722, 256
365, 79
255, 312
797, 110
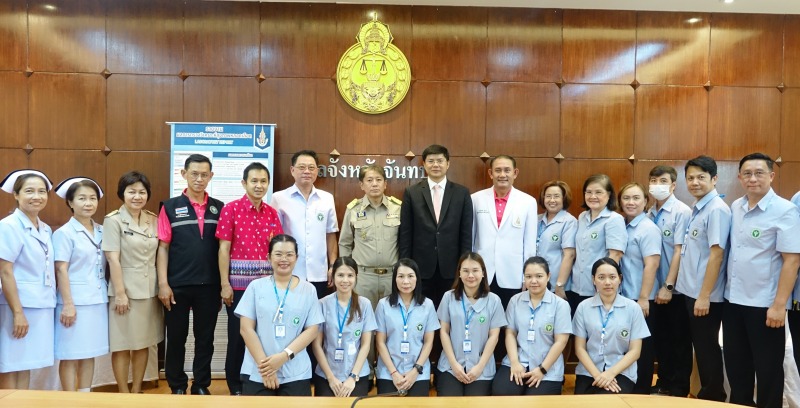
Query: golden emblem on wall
373, 76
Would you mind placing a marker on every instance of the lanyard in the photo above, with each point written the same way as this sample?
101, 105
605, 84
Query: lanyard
405, 320
533, 313
99, 254
467, 317
341, 319
658, 215
281, 303
604, 321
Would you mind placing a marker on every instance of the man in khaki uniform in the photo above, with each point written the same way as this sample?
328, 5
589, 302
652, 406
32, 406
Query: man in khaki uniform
369, 234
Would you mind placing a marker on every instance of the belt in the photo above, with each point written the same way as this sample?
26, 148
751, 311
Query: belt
377, 271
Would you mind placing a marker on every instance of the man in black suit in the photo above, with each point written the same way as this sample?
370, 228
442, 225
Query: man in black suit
436, 226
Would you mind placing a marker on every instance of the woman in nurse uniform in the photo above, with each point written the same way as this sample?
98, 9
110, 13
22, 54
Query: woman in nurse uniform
81, 314
609, 329
27, 277
471, 318
344, 339
406, 325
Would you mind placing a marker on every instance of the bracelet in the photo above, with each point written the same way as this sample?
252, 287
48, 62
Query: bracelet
543, 370
393, 373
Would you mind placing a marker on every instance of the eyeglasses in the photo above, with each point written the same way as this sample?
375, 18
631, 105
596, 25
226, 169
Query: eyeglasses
759, 174
200, 176
284, 255
431, 162
473, 273
303, 168
596, 193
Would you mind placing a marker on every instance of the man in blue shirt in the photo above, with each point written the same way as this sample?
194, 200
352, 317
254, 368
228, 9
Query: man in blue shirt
762, 270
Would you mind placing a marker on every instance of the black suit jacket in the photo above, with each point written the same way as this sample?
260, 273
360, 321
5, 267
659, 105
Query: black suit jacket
428, 243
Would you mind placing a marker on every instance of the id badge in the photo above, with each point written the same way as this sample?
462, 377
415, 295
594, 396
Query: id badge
280, 331
405, 347
351, 348
531, 336
602, 349
467, 345
338, 355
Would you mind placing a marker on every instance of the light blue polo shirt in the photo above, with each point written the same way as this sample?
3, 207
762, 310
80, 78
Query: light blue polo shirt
486, 314
758, 237
352, 333
301, 310
87, 261
644, 239
624, 322
671, 219
551, 317
709, 225
31, 252
592, 242
554, 237
421, 319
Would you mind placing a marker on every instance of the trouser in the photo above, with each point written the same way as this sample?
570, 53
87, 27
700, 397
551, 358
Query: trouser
502, 385
322, 288
323, 389
705, 339
583, 385
204, 302
645, 365
235, 352
299, 388
505, 296
434, 289
421, 388
673, 345
374, 286
794, 328
753, 350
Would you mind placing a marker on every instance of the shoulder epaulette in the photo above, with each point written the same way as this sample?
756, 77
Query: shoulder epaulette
353, 203
112, 213
151, 213
396, 200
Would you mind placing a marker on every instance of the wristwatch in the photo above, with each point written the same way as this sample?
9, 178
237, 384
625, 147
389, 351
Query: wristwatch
542, 369
354, 376
289, 352
559, 285
418, 367
668, 286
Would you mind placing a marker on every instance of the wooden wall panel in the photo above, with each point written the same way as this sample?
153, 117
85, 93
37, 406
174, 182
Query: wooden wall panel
67, 111
467, 171
62, 164
296, 40
154, 165
13, 36
790, 180
672, 48
533, 173
599, 47
12, 159
452, 114
13, 110
67, 35
575, 173
743, 121
220, 38
350, 17
139, 107
145, 37
283, 178
790, 125
523, 119
728, 182
746, 49
641, 174
671, 122
220, 99
597, 121
524, 45
360, 133
449, 43
791, 51
304, 110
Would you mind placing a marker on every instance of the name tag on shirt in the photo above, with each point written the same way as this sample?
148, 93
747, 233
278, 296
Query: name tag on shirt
531, 335
405, 347
338, 355
467, 346
483, 211
181, 212
280, 331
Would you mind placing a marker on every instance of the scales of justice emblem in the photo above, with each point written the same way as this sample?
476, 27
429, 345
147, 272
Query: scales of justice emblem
373, 75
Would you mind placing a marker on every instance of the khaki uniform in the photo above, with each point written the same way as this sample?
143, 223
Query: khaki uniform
369, 236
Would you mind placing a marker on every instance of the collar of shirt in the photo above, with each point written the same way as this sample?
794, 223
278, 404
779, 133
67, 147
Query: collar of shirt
26, 222
78, 227
597, 301
634, 222
296, 190
547, 298
603, 214
442, 183
762, 204
479, 304
247, 204
558, 218
365, 203
667, 207
503, 200
706, 199
203, 204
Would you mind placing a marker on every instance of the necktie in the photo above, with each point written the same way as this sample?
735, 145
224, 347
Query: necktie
437, 201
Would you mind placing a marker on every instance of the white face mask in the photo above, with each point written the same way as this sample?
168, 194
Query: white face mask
659, 191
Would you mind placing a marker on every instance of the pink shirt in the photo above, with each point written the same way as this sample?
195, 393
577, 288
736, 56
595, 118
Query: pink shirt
164, 227
500, 206
249, 231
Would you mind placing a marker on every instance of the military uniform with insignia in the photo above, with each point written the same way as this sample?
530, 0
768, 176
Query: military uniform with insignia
369, 236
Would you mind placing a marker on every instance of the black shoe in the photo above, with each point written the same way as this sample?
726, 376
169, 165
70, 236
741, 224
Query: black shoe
236, 393
200, 391
179, 391
659, 391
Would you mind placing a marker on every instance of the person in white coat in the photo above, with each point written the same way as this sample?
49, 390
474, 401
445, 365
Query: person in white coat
504, 228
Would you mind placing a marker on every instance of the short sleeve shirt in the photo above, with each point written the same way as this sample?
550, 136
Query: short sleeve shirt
420, 319
593, 240
352, 331
31, 252
671, 219
83, 251
644, 239
553, 238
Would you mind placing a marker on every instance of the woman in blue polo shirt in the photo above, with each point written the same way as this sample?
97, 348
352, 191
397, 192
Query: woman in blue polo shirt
601, 233
608, 329
538, 328
471, 318
344, 338
82, 314
406, 325
639, 267
28, 296
279, 317
557, 229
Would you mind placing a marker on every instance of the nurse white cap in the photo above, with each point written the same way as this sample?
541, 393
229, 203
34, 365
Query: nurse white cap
7, 184
61, 189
